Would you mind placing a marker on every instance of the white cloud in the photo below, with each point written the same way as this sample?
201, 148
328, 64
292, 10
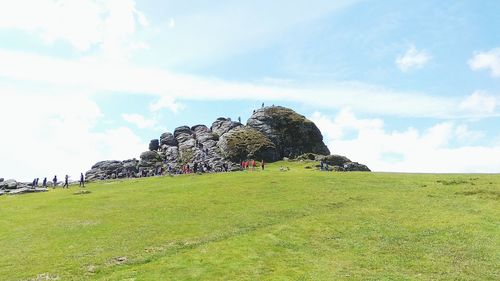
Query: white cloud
166, 102
104, 76
139, 120
171, 23
489, 60
54, 134
412, 59
107, 24
479, 102
411, 150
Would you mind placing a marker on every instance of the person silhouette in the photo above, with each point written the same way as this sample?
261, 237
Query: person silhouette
82, 180
66, 184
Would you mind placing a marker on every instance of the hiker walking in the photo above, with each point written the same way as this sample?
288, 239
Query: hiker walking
54, 180
82, 180
66, 182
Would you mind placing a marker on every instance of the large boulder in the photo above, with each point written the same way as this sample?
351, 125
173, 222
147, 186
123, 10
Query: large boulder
335, 160
154, 145
104, 170
168, 139
291, 133
150, 156
223, 125
247, 143
355, 166
185, 138
10, 184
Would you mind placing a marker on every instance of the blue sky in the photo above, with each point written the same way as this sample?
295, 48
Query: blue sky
400, 86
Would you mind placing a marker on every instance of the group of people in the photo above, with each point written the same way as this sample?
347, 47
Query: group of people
55, 182
246, 165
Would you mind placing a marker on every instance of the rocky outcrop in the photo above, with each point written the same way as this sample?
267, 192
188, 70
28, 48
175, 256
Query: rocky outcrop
111, 169
291, 133
342, 163
271, 134
13, 187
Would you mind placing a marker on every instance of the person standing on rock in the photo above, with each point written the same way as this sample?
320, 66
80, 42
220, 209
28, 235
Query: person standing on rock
66, 184
82, 180
54, 180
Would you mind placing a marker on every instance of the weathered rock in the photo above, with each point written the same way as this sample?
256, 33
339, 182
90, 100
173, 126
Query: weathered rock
355, 166
223, 125
10, 184
335, 160
171, 154
185, 138
247, 143
103, 169
154, 145
1, 179
130, 167
168, 139
292, 133
150, 156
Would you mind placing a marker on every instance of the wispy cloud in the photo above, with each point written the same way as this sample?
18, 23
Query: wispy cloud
412, 59
139, 120
166, 102
489, 60
103, 76
480, 102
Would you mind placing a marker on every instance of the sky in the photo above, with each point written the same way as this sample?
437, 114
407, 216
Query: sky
401, 86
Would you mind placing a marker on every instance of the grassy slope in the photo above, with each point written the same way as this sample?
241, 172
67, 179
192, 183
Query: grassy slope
296, 225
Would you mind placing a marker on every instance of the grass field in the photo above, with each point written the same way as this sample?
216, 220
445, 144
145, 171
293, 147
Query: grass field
301, 224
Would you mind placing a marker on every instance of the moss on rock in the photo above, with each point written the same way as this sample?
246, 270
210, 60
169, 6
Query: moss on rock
247, 143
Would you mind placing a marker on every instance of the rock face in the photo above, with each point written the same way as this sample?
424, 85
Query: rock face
245, 142
271, 134
291, 133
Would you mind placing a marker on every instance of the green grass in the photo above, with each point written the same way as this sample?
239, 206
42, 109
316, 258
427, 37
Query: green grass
297, 225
